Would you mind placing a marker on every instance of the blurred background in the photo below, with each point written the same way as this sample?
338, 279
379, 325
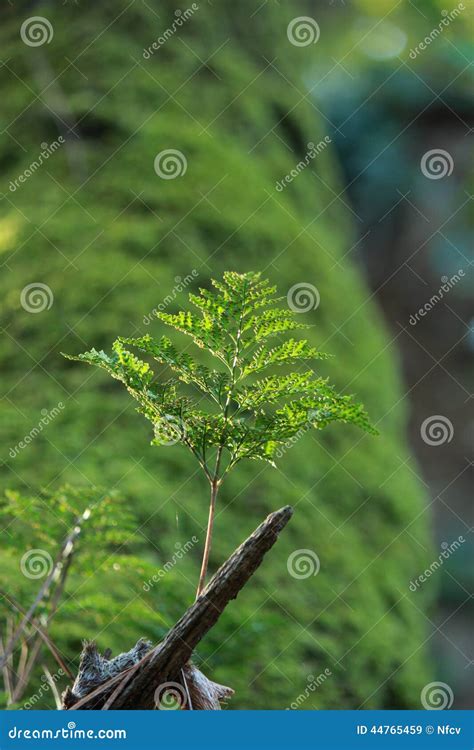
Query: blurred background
410, 95
324, 143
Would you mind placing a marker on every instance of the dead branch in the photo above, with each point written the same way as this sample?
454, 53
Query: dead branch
135, 687
52, 685
203, 694
7, 676
55, 577
41, 633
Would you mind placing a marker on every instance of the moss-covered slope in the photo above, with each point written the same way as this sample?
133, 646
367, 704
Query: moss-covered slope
110, 238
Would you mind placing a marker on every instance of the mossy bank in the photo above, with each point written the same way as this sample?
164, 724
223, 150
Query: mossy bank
112, 240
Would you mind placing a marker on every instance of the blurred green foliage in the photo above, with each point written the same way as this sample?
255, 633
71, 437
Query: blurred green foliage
34, 531
110, 238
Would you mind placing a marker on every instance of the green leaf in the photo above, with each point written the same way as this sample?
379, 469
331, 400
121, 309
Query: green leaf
274, 388
288, 353
247, 419
189, 371
273, 322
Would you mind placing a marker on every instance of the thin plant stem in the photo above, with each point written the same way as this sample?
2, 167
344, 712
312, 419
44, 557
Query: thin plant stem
216, 480
208, 542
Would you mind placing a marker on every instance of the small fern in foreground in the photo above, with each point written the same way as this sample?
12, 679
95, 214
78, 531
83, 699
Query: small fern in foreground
250, 408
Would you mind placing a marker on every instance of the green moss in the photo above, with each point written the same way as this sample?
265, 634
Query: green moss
111, 247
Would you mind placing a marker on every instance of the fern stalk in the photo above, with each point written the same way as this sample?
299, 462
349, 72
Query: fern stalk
255, 408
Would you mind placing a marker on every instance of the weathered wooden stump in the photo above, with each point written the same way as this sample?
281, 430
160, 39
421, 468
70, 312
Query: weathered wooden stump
141, 677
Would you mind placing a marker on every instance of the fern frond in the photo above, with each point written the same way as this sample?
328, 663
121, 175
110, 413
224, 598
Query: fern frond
233, 323
271, 323
211, 382
288, 353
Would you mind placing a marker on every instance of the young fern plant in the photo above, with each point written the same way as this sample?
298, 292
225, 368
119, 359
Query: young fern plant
250, 409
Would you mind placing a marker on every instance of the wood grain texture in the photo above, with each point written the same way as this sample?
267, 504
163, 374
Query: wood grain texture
136, 688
